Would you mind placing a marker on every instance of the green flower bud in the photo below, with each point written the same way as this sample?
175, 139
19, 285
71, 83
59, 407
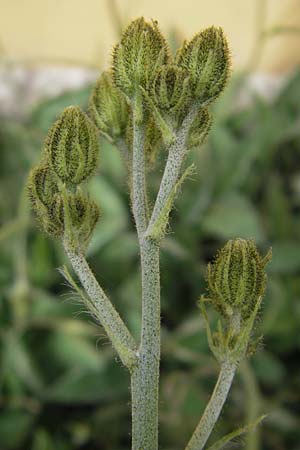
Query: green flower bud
83, 216
43, 195
138, 56
237, 278
200, 128
171, 90
206, 58
72, 146
108, 108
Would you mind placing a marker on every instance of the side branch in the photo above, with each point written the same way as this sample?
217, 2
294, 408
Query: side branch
213, 408
109, 318
173, 167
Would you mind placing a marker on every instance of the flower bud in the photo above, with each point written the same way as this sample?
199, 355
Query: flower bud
237, 278
43, 194
72, 146
84, 214
207, 60
171, 89
138, 56
199, 129
108, 108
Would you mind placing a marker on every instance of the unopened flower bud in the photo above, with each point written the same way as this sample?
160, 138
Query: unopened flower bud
171, 90
84, 214
199, 129
237, 278
43, 194
206, 58
138, 56
108, 108
72, 146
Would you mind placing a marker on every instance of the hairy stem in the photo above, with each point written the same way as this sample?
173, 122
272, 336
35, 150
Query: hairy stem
139, 202
213, 408
109, 318
145, 377
173, 166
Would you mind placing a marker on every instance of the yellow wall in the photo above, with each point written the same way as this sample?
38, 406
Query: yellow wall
82, 31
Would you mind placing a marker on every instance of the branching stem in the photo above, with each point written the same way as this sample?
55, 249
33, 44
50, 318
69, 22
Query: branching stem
176, 154
109, 318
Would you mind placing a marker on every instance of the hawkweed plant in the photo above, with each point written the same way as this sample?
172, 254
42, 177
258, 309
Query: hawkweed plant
147, 102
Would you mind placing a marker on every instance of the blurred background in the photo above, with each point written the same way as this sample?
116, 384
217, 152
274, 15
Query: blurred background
61, 387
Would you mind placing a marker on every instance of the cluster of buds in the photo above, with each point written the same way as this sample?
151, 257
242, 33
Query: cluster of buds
236, 286
146, 85
69, 158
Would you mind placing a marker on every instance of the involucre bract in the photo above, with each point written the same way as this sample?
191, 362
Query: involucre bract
237, 278
108, 108
72, 146
137, 57
207, 60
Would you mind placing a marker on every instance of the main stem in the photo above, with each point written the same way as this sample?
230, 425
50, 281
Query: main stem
145, 377
213, 408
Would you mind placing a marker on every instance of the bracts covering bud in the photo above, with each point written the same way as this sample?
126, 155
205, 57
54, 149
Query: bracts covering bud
141, 51
72, 146
199, 128
207, 60
43, 195
171, 90
61, 215
237, 278
83, 216
69, 158
236, 286
108, 108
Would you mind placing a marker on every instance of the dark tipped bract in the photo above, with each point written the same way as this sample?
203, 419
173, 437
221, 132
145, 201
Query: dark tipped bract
207, 59
141, 51
44, 198
69, 158
108, 108
145, 86
72, 146
237, 278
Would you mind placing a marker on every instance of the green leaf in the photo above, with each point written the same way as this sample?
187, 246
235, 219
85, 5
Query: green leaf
16, 359
15, 426
113, 213
286, 257
69, 350
269, 369
233, 215
77, 386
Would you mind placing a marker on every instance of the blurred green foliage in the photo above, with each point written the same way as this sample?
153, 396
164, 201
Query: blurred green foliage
61, 386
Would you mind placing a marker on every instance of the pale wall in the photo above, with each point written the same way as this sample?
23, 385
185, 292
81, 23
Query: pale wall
82, 31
